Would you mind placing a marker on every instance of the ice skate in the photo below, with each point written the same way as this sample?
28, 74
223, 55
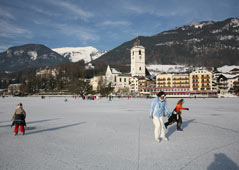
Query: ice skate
165, 138
179, 129
157, 140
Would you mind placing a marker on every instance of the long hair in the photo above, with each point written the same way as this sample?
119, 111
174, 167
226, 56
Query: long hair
180, 101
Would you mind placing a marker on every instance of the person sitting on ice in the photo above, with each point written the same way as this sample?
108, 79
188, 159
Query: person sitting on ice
176, 116
158, 109
18, 119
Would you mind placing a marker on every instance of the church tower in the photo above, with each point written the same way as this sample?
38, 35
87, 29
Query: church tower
138, 59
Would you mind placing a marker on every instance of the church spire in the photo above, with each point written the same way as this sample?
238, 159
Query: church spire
137, 41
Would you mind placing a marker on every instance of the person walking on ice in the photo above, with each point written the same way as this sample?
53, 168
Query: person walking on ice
158, 109
176, 116
18, 119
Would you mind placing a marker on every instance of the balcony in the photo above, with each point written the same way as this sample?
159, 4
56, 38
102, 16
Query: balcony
205, 86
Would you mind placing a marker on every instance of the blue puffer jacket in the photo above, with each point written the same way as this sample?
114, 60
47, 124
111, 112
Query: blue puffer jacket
161, 107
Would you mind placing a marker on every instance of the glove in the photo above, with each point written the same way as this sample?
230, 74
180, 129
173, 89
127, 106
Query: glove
150, 116
187, 108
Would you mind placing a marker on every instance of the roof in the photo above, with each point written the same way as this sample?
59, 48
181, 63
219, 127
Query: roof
235, 69
230, 76
114, 71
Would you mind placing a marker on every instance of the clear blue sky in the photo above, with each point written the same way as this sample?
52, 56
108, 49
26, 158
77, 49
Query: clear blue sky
104, 24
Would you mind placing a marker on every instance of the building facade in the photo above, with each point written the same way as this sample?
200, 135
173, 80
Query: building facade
96, 82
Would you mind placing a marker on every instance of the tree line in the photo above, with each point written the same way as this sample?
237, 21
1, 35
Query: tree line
71, 78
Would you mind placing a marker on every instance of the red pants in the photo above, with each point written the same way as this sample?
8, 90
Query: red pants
21, 128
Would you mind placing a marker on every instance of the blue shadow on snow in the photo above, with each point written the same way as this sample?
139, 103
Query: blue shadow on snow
55, 128
37, 121
173, 127
222, 162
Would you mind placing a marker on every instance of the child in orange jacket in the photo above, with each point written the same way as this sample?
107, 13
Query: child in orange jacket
176, 116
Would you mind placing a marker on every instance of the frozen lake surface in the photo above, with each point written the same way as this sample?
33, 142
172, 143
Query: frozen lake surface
118, 135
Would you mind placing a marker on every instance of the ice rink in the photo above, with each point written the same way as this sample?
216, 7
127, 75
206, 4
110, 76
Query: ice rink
118, 135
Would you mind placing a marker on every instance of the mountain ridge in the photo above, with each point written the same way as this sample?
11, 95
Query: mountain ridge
207, 43
27, 56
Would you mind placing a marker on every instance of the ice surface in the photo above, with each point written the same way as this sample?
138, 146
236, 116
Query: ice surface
118, 135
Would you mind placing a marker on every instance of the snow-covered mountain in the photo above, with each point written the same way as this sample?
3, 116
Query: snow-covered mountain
75, 54
28, 55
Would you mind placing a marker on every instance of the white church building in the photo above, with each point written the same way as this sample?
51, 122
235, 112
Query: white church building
128, 82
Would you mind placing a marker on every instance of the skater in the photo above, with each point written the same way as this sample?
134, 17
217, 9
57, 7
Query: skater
18, 119
158, 108
176, 115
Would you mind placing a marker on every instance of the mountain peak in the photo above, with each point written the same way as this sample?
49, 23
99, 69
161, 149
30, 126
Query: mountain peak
75, 54
28, 55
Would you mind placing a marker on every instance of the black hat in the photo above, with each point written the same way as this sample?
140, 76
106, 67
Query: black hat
161, 93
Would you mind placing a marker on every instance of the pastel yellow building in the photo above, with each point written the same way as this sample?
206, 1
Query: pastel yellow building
200, 80
172, 80
164, 80
180, 81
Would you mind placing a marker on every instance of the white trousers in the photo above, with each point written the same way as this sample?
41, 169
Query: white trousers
158, 127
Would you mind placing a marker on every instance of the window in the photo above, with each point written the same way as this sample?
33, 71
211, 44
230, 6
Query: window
139, 68
124, 79
120, 79
139, 52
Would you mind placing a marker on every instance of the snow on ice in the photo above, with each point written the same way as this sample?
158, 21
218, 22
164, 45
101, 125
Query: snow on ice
118, 134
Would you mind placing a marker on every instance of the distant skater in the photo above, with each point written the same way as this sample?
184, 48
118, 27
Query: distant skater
18, 119
176, 116
158, 108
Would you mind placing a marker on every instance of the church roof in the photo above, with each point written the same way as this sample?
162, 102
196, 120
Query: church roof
137, 42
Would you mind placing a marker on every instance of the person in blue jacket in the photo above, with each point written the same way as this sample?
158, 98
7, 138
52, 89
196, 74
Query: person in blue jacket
158, 109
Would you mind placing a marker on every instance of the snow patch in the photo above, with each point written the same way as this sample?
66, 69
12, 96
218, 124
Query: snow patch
228, 37
200, 25
193, 40
235, 22
18, 52
33, 54
216, 31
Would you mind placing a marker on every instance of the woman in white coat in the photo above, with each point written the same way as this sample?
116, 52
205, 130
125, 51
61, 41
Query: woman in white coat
159, 108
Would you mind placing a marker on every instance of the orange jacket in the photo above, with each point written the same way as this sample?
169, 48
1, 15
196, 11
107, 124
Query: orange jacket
179, 108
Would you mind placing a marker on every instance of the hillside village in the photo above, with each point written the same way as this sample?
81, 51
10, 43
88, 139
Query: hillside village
198, 83
138, 82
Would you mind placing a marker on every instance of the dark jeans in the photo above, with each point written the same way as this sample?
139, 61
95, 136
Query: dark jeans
172, 119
